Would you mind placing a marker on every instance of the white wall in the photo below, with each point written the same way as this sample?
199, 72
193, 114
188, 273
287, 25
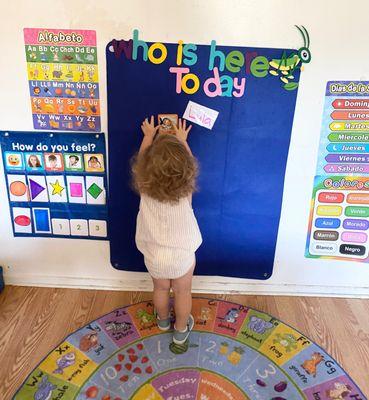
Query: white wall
339, 46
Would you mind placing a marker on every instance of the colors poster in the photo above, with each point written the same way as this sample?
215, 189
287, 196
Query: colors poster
339, 217
56, 183
63, 79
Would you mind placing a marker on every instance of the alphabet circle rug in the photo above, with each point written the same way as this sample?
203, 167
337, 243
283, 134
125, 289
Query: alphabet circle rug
233, 353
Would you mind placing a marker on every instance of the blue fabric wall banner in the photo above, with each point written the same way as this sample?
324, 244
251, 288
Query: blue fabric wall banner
242, 158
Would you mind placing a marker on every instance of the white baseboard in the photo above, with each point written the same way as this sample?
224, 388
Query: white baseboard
200, 285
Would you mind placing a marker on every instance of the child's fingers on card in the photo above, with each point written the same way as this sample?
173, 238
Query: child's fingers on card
188, 129
152, 120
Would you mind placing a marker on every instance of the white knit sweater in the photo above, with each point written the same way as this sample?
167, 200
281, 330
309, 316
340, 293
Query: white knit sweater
168, 236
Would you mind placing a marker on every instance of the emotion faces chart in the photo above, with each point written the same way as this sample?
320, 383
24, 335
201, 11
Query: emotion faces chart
56, 183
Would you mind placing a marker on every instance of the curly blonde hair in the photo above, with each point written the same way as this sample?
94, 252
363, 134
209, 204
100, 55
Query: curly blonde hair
165, 171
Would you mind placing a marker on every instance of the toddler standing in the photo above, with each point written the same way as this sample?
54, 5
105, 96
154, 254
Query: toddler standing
167, 233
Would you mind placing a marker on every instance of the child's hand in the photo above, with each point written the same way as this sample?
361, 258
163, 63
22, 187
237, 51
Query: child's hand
181, 131
148, 128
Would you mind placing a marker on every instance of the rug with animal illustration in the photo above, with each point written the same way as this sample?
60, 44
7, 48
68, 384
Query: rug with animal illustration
233, 353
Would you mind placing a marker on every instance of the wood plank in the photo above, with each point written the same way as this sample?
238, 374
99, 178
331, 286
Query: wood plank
34, 320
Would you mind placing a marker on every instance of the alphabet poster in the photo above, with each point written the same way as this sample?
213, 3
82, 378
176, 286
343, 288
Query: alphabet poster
338, 225
56, 183
241, 102
63, 79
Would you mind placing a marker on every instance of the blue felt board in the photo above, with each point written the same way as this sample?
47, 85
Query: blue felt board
242, 159
43, 212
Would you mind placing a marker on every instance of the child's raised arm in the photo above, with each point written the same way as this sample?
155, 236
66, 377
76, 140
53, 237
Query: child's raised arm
149, 130
182, 133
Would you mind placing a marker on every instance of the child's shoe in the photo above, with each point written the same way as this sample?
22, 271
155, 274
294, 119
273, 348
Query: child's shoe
180, 337
163, 324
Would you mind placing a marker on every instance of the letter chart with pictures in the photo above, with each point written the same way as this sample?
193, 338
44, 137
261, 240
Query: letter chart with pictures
56, 183
234, 353
63, 79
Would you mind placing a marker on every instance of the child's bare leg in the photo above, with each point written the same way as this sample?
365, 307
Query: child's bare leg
161, 297
182, 299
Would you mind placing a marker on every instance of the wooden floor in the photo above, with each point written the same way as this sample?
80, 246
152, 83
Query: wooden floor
34, 320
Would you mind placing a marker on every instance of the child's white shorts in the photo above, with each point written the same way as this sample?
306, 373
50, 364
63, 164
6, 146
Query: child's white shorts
169, 263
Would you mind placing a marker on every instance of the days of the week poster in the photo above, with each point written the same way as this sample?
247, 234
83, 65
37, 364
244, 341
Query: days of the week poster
339, 218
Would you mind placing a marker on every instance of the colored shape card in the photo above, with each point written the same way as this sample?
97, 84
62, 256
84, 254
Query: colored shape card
41, 219
18, 188
63, 79
95, 190
200, 115
57, 188
76, 189
37, 188
338, 226
22, 221
45, 172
